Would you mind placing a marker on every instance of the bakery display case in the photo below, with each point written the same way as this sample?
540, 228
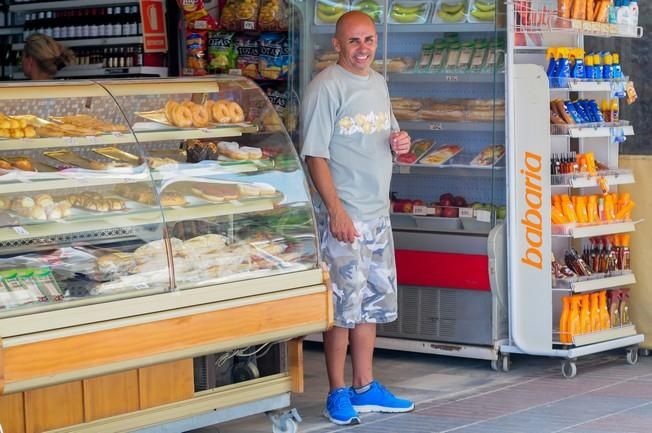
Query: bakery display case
171, 214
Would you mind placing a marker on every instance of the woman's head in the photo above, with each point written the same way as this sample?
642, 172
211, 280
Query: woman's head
43, 57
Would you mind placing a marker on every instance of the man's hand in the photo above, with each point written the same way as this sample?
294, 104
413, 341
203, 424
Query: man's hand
342, 227
399, 142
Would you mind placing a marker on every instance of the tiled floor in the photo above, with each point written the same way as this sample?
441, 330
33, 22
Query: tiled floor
466, 396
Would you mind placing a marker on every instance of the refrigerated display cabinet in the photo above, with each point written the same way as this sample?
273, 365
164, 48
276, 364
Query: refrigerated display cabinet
445, 72
145, 223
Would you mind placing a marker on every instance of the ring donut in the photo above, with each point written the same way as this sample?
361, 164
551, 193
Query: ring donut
220, 111
170, 106
188, 104
235, 112
209, 106
182, 117
199, 116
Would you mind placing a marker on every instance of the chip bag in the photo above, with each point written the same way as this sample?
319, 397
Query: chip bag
273, 15
228, 19
195, 53
247, 52
274, 57
221, 52
196, 16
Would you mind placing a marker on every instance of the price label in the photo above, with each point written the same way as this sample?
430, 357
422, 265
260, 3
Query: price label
205, 130
21, 230
116, 133
466, 212
419, 210
249, 25
92, 139
452, 77
68, 140
587, 25
436, 126
235, 71
141, 286
483, 215
235, 202
113, 71
430, 211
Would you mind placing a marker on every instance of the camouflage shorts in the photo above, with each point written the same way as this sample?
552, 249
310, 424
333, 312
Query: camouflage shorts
363, 273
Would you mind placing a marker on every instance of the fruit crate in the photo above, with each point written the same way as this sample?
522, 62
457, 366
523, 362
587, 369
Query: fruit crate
374, 8
481, 11
409, 12
327, 12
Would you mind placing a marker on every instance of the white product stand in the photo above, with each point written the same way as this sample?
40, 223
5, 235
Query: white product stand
535, 306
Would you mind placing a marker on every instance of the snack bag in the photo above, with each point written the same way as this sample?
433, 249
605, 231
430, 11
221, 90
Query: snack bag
221, 52
195, 53
274, 56
273, 15
246, 13
278, 96
196, 15
228, 19
247, 60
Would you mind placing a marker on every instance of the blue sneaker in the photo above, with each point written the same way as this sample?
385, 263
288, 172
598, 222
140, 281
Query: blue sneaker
338, 407
378, 399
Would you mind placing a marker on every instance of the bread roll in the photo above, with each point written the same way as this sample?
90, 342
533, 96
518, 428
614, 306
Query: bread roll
170, 198
406, 114
4, 165
38, 213
252, 152
23, 164
115, 263
443, 115
405, 104
43, 200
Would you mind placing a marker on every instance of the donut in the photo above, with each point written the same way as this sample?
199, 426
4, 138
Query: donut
220, 111
209, 106
182, 117
170, 106
199, 116
188, 104
235, 112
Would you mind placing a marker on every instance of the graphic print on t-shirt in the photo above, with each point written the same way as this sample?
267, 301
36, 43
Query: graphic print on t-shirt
364, 123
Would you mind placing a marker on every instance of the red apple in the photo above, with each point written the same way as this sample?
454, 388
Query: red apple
459, 201
417, 202
447, 196
438, 211
450, 212
407, 206
397, 205
446, 201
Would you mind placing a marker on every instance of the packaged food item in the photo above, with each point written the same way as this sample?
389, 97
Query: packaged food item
228, 19
479, 55
373, 8
195, 53
440, 155
409, 12
278, 97
489, 155
221, 52
26, 279
466, 54
453, 56
274, 58
48, 284
247, 56
425, 57
482, 11
418, 148
564, 8
273, 16
439, 54
327, 12
450, 11
246, 13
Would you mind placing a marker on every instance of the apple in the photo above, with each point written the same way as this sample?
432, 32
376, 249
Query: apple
450, 212
447, 196
459, 201
438, 210
397, 205
446, 201
417, 202
502, 212
407, 206
407, 158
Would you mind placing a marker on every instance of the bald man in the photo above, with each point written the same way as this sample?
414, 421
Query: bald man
349, 134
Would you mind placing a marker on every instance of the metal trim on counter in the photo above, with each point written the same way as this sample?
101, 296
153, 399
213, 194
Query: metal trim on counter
450, 170
419, 28
441, 242
109, 72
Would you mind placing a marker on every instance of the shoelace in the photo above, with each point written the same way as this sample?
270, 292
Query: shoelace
339, 400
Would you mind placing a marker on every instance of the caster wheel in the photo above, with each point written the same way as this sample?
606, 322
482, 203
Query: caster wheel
632, 356
506, 364
568, 369
291, 426
496, 363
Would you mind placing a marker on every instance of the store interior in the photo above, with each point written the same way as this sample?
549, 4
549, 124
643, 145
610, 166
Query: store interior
153, 188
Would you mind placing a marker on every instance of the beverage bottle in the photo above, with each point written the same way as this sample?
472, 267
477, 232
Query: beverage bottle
618, 72
633, 13
117, 21
614, 111
595, 312
614, 311
605, 322
568, 209
624, 307
597, 66
607, 68
585, 314
580, 210
574, 317
564, 337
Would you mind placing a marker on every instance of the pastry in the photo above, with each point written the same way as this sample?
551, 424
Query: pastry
205, 243
401, 114
265, 188
38, 213
252, 152
115, 263
405, 104
54, 213
217, 192
171, 198
4, 165
249, 190
5, 202
156, 250
23, 164
44, 200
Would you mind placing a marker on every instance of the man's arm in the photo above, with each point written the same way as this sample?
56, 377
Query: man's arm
341, 225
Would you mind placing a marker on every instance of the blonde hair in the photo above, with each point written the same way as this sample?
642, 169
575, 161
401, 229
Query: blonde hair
49, 55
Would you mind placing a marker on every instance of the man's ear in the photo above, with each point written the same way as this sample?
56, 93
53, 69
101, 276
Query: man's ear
336, 44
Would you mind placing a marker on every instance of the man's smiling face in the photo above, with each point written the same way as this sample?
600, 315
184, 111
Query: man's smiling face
356, 42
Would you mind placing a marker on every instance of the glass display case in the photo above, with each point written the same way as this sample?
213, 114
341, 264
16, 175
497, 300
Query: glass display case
127, 188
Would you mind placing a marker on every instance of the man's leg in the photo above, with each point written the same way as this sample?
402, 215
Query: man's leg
335, 342
363, 339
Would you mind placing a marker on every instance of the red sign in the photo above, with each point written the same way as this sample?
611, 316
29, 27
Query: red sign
152, 14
